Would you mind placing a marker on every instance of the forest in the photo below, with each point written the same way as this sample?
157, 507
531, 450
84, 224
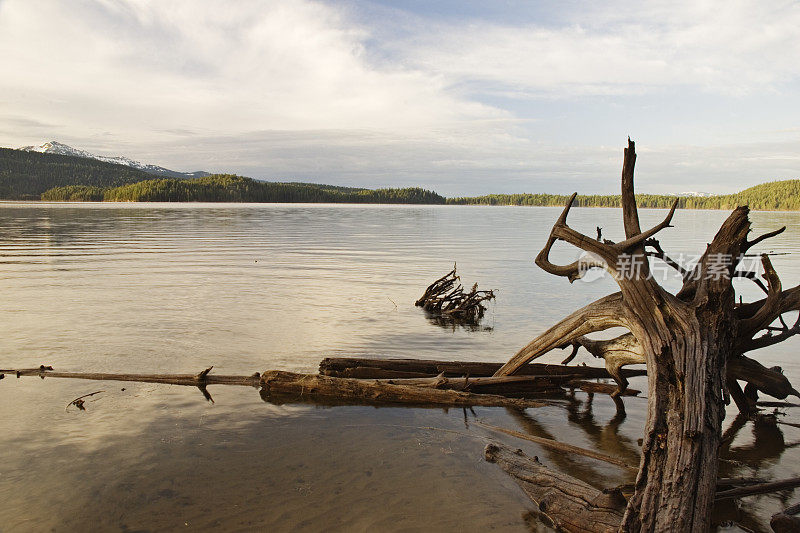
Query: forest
772, 196
26, 175
231, 188
50, 177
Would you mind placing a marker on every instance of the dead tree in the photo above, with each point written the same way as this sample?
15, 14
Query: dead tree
692, 342
445, 297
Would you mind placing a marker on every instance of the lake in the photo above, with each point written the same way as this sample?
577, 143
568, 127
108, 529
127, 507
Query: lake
175, 288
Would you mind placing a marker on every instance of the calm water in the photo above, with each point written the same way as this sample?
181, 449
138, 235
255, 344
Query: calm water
177, 288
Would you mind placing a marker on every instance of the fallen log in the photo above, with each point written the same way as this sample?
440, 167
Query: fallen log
758, 488
602, 388
568, 503
777, 404
354, 367
289, 386
725, 483
563, 447
282, 385
202, 378
504, 385
787, 520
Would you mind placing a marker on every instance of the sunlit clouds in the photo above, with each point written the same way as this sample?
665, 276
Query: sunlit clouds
473, 100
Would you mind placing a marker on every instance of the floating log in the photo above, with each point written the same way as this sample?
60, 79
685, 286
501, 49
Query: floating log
787, 520
316, 387
602, 388
568, 503
354, 367
202, 378
504, 385
563, 447
759, 488
289, 386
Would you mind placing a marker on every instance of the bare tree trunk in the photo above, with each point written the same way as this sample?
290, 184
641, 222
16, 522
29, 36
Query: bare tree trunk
686, 341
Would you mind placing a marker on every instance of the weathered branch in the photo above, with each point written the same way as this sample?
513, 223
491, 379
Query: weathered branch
444, 298
576, 269
787, 520
569, 503
356, 367
309, 387
749, 244
767, 380
769, 339
760, 488
604, 254
617, 352
630, 214
752, 276
562, 447
628, 244
504, 385
660, 254
770, 310
600, 315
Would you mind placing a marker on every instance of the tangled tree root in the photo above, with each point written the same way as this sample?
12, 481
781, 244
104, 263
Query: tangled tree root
446, 297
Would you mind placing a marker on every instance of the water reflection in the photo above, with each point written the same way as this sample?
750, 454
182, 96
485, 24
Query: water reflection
453, 324
604, 438
756, 457
166, 288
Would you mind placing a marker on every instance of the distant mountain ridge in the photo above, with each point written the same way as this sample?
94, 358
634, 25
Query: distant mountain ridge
35, 175
55, 147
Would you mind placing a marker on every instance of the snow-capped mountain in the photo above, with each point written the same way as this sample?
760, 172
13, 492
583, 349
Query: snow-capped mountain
696, 194
55, 147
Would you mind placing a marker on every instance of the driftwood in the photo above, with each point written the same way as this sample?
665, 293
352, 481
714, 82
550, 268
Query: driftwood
288, 386
602, 388
203, 377
568, 503
687, 341
79, 401
316, 387
446, 297
353, 367
505, 385
787, 520
562, 446
759, 488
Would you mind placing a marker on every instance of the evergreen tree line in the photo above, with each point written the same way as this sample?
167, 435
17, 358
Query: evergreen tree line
232, 188
26, 175
772, 196
33, 176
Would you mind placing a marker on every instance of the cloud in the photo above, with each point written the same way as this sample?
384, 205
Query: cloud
375, 96
140, 67
621, 48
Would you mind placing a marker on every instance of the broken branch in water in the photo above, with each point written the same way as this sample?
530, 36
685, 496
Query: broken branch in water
759, 488
357, 367
446, 297
567, 502
289, 386
787, 520
561, 446
78, 402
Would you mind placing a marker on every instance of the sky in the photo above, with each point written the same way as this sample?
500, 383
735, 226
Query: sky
460, 97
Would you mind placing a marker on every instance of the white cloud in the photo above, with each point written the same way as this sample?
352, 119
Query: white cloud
625, 47
307, 90
214, 67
